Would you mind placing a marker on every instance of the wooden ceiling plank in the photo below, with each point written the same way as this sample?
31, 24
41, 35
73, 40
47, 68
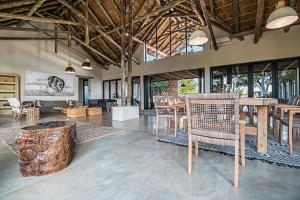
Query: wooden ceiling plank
206, 17
259, 20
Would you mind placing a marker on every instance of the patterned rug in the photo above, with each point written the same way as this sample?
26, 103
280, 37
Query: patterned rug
277, 153
86, 132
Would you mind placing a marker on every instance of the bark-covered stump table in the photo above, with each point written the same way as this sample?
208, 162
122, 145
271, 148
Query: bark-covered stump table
45, 148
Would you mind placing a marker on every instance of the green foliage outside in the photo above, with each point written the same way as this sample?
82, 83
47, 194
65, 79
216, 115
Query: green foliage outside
188, 86
160, 87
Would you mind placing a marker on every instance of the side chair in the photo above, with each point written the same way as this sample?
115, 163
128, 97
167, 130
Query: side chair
214, 118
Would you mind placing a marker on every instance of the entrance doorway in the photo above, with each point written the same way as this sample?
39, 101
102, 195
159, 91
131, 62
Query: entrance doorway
172, 84
84, 92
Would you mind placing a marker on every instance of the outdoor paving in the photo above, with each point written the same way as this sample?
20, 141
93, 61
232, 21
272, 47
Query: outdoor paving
133, 165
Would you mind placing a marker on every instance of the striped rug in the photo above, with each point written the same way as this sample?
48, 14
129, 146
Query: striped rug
86, 132
276, 154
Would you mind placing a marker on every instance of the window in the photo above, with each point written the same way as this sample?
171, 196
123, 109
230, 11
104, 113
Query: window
287, 79
277, 79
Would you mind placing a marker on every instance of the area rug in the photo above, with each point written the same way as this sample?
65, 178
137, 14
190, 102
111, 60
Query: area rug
86, 132
276, 154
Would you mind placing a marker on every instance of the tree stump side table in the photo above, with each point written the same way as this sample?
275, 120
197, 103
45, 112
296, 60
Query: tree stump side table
45, 148
33, 114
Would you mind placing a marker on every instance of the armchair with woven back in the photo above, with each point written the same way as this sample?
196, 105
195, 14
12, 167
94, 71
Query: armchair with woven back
214, 119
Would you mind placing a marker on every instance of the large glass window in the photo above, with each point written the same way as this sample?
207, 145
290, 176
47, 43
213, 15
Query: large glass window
220, 79
240, 80
287, 79
277, 79
262, 80
106, 90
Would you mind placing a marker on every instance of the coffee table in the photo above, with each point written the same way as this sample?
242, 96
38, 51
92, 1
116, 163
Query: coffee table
45, 148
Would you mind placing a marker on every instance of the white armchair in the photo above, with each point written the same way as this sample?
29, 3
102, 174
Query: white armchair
16, 107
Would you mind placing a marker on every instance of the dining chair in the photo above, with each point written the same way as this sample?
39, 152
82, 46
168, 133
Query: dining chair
214, 118
293, 104
165, 110
292, 121
16, 107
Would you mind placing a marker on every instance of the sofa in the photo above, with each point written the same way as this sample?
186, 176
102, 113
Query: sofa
105, 104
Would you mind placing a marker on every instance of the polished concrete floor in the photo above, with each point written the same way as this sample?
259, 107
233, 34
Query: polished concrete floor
133, 165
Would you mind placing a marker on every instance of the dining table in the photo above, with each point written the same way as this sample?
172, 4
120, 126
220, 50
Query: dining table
262, 105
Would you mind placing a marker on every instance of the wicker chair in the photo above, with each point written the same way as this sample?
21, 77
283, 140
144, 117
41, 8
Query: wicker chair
214, 118
163, 110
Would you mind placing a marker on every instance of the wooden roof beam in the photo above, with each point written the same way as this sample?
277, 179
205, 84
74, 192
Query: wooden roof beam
75, 50
236, 15
259, 20
291, 4
167, 6
94, 50
212, 7
13, 4
39, 19
76, 12
34, 8
197, 8
108, 17
206, 17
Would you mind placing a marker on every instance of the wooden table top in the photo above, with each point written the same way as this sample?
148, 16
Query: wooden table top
258, 101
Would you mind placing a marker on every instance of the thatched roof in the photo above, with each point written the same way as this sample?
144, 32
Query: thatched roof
151, 18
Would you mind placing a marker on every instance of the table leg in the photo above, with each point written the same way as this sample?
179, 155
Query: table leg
281, 126
262, 135
176, 122
268, 117
251, 114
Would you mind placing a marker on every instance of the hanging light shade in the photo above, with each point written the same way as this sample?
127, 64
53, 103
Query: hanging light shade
282, 16
69, 69
86, 65
198, 37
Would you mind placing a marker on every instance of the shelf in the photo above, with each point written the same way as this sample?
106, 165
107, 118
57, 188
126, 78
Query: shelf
3, 99
5, 107
7, 83
8, 91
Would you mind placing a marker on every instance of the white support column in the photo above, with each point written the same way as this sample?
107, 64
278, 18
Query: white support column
207, 79
142, 91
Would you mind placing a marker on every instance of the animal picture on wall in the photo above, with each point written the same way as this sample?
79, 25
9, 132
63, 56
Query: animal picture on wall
47, 84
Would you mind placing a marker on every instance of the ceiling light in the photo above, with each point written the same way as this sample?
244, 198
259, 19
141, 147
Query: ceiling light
282, 16
86, 65
198, 37
69, 69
